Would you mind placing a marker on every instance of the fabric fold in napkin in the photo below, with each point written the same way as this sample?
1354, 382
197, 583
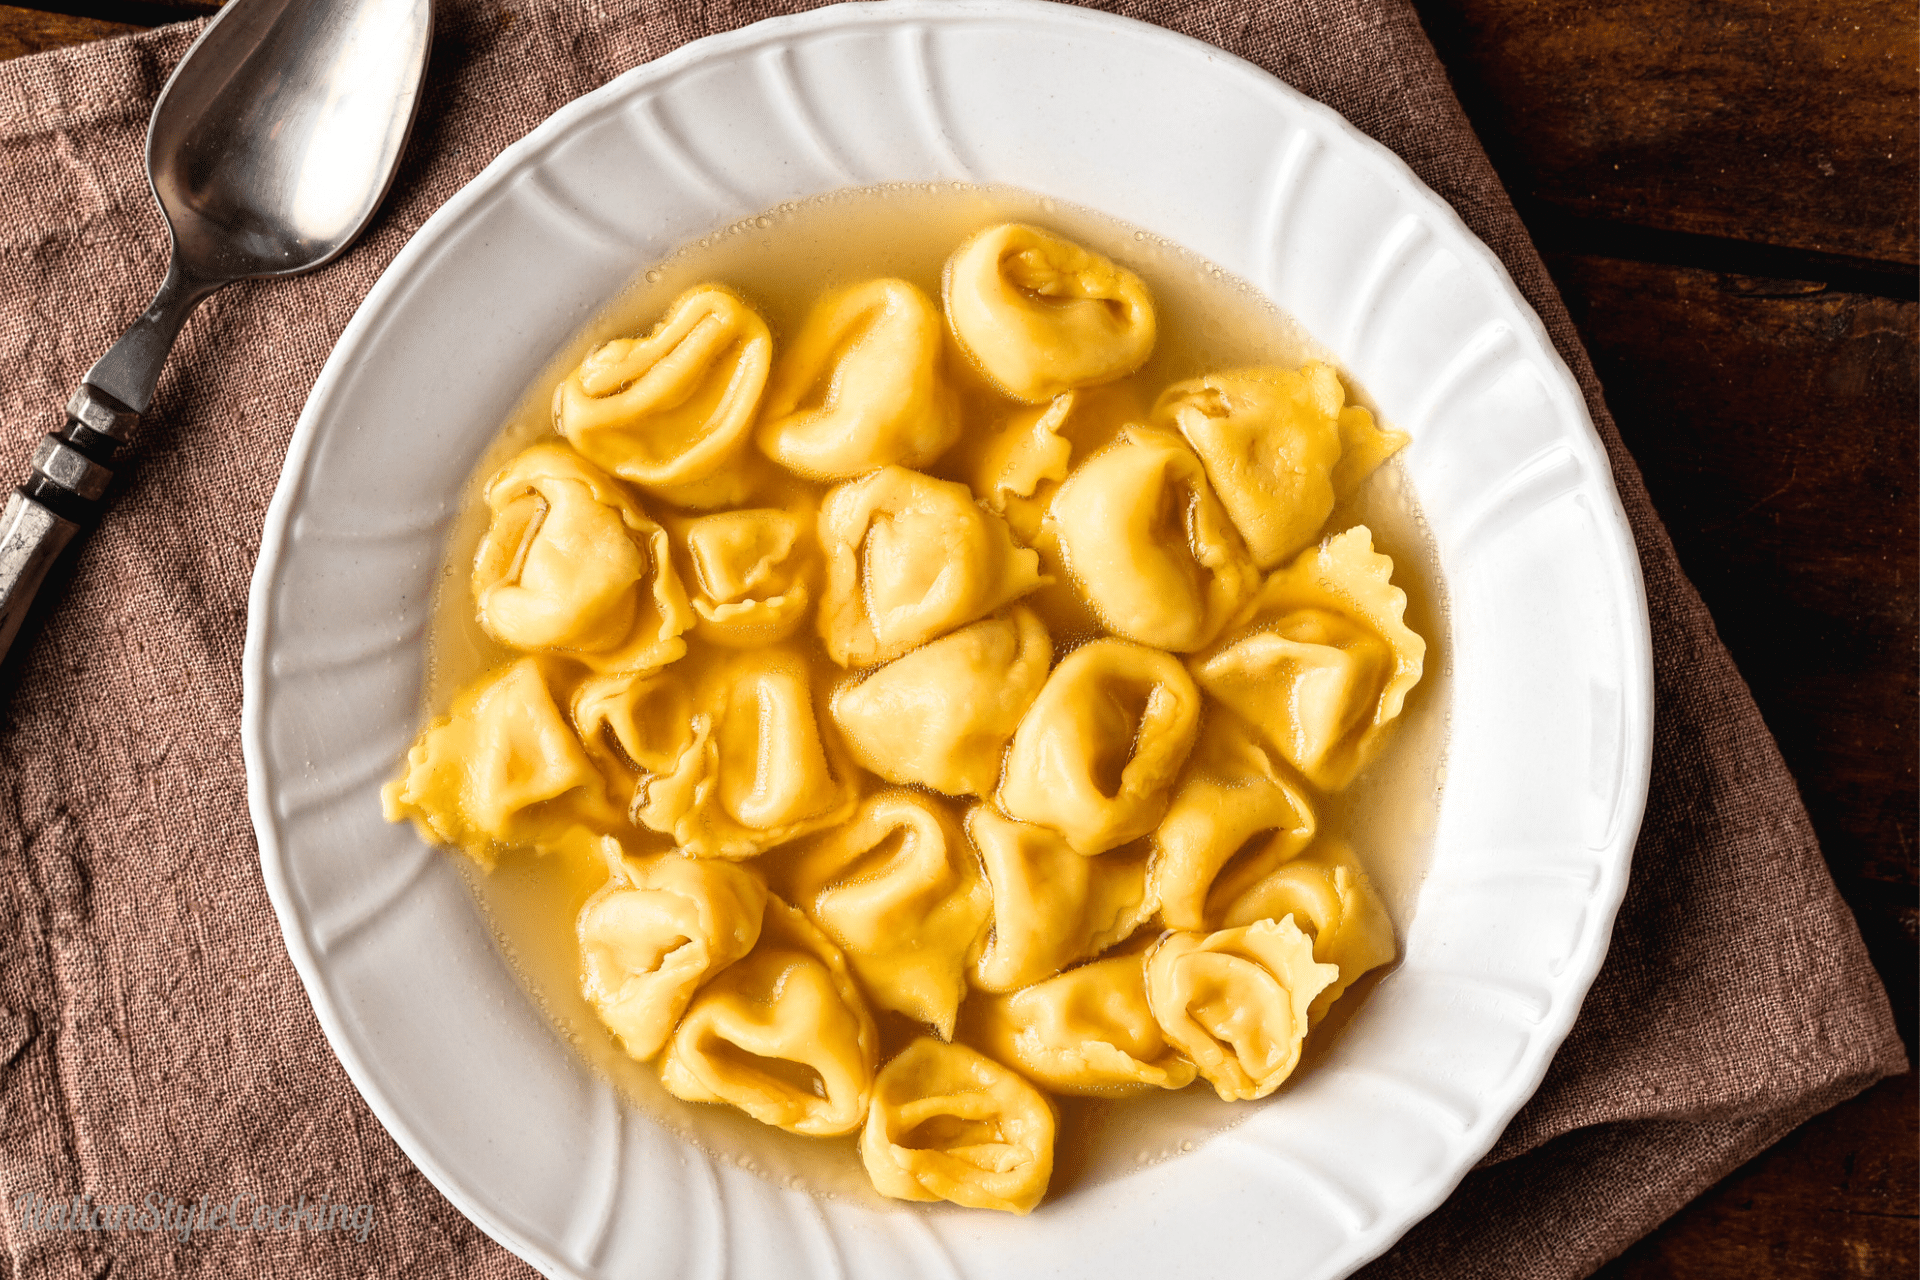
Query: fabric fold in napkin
154, 1038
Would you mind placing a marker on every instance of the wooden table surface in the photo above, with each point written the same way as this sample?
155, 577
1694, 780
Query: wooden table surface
1726, 191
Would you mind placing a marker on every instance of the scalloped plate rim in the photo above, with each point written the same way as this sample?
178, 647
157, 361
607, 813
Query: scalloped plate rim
514, 159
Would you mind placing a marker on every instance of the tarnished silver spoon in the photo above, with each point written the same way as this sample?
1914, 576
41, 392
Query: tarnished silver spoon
270, 148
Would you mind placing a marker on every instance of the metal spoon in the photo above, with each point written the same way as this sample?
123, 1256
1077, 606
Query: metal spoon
270, 148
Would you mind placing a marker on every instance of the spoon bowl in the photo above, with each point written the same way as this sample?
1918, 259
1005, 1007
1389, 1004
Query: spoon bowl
277, 137
270, 147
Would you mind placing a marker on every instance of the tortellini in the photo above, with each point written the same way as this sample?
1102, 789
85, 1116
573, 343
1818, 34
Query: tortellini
672, 412
750, 575
647, 945
941, 716
1015, 469
1321, 660
502, 767
948, 1123
1087, 1032
1051, 906
916, 727
1097, 752
909, 558
782, 1034
902, 893
1041, 315
1236, 1002
571, 564
1330, 898
1029, 455
758, 770
1236, 814
1279, 448
1149, 545
633, 726
861, 386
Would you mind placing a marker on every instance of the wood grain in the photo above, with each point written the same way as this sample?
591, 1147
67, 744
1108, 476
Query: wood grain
1784, 123
1774, 423
1835, 1199
24, 31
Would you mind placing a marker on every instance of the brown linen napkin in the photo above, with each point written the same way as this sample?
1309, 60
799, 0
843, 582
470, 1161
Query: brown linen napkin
154, 1038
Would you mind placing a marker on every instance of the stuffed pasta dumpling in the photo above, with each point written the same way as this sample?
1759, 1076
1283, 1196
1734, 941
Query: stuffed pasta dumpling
900, 890
760, 768
1333, 901
782, 1034
1088, 1032
1279, 446
1149, 545
648, 942
1236, 1002
503, 767
1321, 660
1041, 315
909, 558
942, 715
1028, 455
861, 386
1096, 754
1051, 906
750, 571
1016, 469
672, 411
633, 727
571, 565
950, 1124
1237, 813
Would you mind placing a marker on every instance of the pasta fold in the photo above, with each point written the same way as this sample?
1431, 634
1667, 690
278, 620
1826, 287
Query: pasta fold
861, 386
1236, 1002
757, 770
782, 1034
1041, 315
646, 945
1051, 906
633, 724
1097, 752
1364, 446
901, 892
1236, 814
1148, 544
501, 768
1273, 442
1088, 1032
942, 715
950, 1124
671, 411
570, 564
1025, 458
1321, 660
1016, 468
749, 575
1332, 900
910, 558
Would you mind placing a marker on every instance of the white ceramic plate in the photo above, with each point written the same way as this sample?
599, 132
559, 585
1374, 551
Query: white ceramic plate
1552, 703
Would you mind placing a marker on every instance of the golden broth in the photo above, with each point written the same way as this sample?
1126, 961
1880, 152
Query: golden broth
780, 261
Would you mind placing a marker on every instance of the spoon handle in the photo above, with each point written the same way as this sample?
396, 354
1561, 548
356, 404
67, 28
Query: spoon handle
62, 496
